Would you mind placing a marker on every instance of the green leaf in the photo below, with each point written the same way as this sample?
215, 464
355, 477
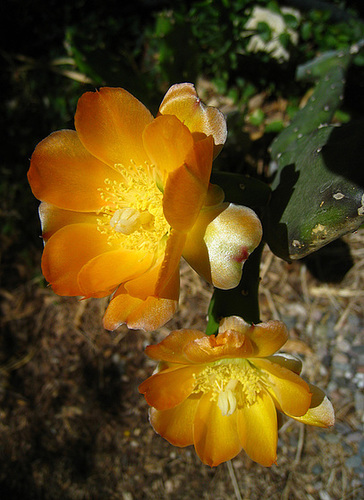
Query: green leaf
318, 191
318, 194
242, 189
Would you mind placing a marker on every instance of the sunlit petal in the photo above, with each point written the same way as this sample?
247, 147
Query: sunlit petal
172, 347
195, 249
257, 430
64, 173
321, 412
182, 100
67, 251
215, 435
186, 188
176, 424
107, 270
148, 314
53, 218
229, 344
167, 142
170, 266
170, 387
290, 392
110, 124
266, 337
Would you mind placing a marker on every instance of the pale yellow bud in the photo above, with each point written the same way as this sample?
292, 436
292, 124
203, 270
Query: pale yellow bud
221, 241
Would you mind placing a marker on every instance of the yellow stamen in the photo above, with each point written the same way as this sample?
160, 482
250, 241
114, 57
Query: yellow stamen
133, 210
232, 383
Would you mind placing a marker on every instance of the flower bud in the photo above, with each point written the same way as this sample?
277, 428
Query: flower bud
230, 233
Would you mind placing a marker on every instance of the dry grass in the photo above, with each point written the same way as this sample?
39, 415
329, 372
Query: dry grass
73, 426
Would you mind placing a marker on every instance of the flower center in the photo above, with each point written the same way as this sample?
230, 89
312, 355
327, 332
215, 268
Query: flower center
133, 211
232, 383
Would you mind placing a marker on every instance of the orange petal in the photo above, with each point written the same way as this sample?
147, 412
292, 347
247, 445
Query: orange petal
144, 285
290, 392
162, 279
215, 436
257, 428
169, 271
169, 387
195, 250
266, 337
149, 314
210, 348
182, 101
321, 412
186, 188
67, 251
237, 339
52, 218
108, 270
110, 124
199, 160
172, 347
167, 142
176, 425
64, 173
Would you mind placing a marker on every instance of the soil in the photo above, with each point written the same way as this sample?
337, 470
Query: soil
73, 425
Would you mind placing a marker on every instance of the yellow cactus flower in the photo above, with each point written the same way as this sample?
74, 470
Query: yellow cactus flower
222, 393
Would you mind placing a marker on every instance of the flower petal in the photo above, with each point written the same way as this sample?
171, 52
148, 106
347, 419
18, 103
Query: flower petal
52, 218
108, 270
170, 387
110, 123
237, 339
170, 266
288, 361
167, 142
172, 347
321, 412
210, 348
67, 251
182, 101
257, 427
195, 250
162, 279
64, 173
266, 337
215, 436
176, 425
186, 187
148, 314
290, 392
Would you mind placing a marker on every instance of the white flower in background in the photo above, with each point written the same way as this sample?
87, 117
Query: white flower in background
277, 25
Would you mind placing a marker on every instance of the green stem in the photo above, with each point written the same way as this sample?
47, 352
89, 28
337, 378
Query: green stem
240, 301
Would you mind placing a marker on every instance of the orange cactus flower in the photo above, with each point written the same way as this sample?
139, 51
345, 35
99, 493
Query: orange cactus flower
125, 194
223, 393
119, 196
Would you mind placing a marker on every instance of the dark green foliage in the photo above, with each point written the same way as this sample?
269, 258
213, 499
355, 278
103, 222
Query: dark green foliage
318, 192
54, 51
